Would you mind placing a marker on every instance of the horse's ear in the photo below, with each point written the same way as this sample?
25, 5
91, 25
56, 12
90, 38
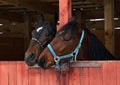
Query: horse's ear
42, 19
71, 19
78, 15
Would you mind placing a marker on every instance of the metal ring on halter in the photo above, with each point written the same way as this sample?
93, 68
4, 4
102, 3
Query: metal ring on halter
57, 59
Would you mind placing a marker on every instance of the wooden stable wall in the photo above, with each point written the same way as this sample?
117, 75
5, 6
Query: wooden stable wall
18, 73
11, 48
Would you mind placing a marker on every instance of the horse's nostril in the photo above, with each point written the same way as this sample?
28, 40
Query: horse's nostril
41, 62
32, 56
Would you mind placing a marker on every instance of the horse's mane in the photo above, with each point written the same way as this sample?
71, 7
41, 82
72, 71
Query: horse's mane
69, 25
97, 49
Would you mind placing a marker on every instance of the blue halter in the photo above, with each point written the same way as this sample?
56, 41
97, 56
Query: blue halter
73, 54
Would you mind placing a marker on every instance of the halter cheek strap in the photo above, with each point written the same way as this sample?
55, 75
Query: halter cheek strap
34, 39
73, 54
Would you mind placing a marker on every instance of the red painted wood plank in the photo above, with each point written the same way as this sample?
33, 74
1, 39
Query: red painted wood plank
3, 73
19, 74
34, 76
95, 76
109, 73
118, 73
44, 77
49, 77
53, 77
16, 73
22, 73
84, 76
12, 73
74, 76
64, 78
65, 12
0, 73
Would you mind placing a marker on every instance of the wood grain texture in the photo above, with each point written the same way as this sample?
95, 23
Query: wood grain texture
18, 73
84, 76
74, 76
4, 73
109, 73
65, 12
12, 70
34, 76
95, 76
22, 73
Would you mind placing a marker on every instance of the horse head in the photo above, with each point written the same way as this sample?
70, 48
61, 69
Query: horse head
41, 36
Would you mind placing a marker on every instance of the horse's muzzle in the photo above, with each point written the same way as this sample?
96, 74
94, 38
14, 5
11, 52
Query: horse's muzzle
31, 59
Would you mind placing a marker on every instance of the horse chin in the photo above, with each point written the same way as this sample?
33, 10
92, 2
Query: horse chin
30, 60
45, 65
48, 65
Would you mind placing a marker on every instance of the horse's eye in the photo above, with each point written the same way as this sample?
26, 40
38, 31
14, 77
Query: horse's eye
67, 38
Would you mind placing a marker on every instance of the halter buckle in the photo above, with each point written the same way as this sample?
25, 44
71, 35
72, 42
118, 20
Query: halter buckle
57, 59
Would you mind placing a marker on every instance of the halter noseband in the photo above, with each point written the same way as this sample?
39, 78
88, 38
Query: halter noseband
36, 40
73, 54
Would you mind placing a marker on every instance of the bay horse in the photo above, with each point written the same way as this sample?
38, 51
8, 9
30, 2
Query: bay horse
41, 36
73, 42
